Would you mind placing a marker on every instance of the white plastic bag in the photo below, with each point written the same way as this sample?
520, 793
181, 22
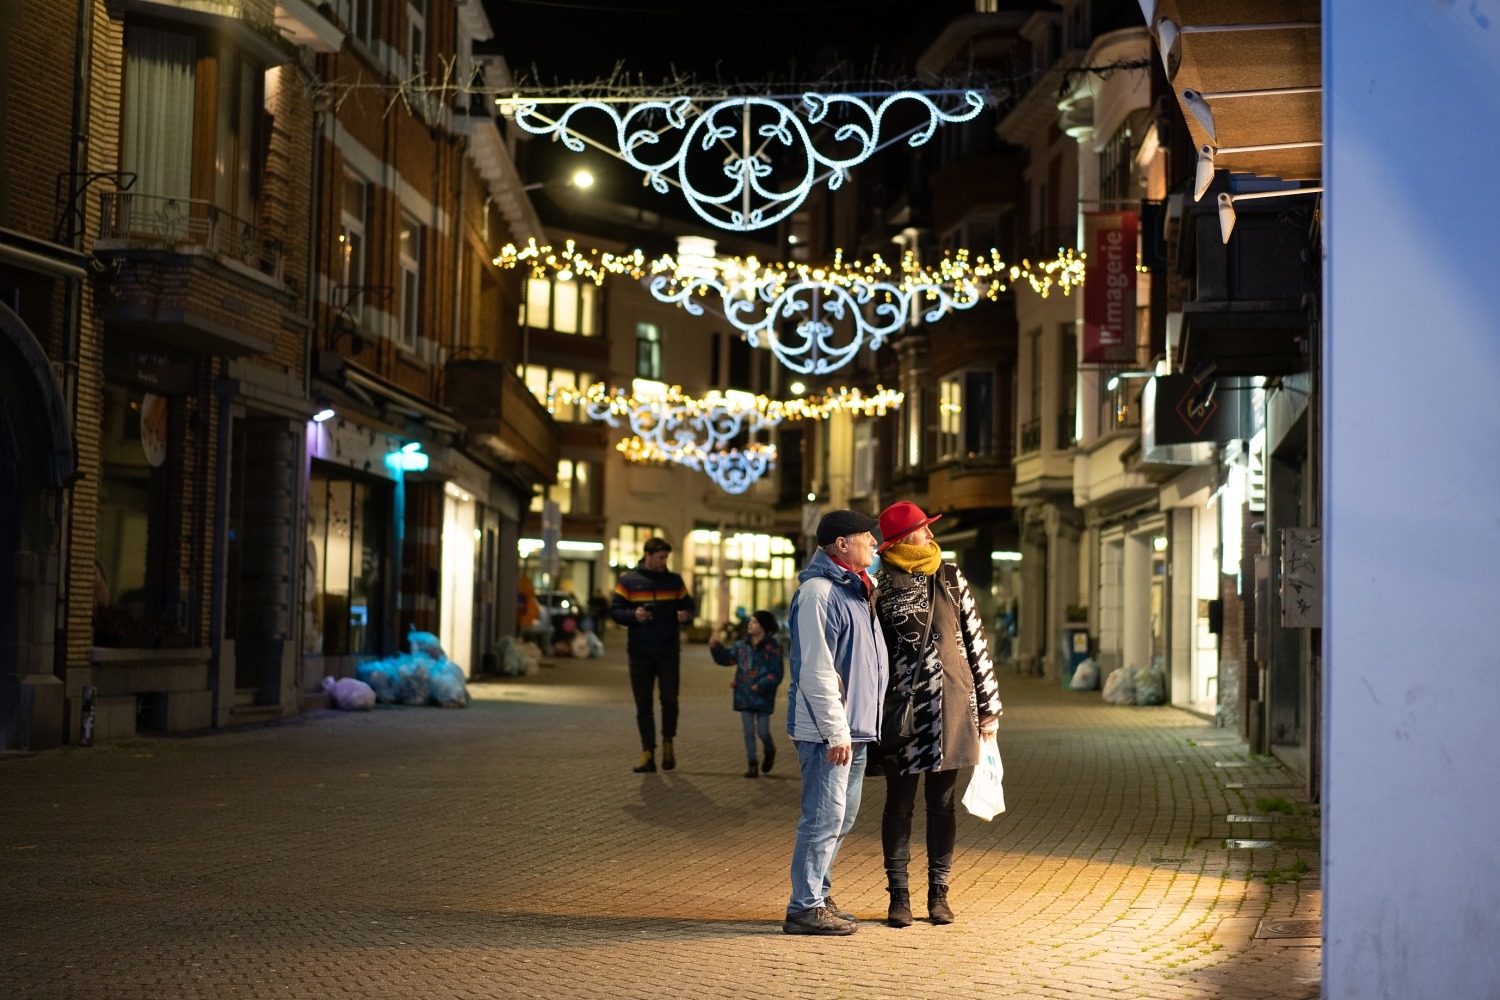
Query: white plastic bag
985, 797
1119, 686
350, 694
1085, 676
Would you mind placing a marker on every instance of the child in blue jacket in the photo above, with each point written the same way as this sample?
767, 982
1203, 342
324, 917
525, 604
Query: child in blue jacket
759, 666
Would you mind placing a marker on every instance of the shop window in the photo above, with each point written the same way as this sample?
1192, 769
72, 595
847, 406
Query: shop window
345, 564
135, 604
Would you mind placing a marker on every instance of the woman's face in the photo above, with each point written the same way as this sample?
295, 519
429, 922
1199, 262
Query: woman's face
755, 631
921, 536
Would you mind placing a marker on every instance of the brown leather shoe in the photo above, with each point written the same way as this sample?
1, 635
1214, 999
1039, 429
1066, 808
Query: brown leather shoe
817, 921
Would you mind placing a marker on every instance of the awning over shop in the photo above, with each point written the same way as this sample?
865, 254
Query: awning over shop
1248, 76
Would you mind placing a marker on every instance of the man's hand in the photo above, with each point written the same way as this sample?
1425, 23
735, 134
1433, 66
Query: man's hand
840, 754
682, 616
642, 613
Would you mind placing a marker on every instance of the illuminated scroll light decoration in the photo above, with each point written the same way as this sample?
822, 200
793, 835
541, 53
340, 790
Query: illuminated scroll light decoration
744, 128
695, 432
875, 298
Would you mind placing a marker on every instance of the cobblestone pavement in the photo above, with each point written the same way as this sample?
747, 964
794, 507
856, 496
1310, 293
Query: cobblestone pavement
506, 850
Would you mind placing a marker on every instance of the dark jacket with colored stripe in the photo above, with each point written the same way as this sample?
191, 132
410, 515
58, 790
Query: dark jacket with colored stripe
665, 594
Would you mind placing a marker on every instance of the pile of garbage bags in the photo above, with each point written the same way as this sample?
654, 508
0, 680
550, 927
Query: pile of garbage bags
517, 659
424, 676
1136, 686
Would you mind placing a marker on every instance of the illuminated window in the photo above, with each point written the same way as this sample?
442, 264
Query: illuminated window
966, 415
537, 379
574, 491
352, 245
561, 306
625, 549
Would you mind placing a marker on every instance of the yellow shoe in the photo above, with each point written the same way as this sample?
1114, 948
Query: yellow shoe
668, 758
647, 764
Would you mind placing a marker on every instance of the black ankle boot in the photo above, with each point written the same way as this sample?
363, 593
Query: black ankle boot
937, 904
899, 914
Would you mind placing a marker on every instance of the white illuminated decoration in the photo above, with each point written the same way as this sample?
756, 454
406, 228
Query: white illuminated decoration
695, 433
731, 137
829, 321
669, 426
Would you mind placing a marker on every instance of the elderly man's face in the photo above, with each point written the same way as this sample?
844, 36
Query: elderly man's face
857, 551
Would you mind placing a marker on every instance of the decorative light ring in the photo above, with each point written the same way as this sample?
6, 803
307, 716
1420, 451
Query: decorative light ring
752, 200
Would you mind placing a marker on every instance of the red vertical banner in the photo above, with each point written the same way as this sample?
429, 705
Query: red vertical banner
1109, 287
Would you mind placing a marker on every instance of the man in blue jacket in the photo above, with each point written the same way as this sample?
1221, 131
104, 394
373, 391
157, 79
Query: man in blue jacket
839, 669
653, 604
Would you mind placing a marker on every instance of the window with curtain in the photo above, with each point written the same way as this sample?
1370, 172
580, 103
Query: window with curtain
160, 84
352, 243
237, 140
410, 316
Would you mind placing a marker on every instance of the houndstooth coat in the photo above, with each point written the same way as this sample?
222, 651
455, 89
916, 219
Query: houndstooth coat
952, 679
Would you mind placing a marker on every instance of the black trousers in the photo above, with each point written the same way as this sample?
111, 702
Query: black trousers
895, 823
647, 672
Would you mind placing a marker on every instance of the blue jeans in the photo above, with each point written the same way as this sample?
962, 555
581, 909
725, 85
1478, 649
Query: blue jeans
753, 721
830, 801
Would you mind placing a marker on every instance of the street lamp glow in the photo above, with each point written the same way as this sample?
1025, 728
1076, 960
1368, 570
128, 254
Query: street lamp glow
797, 388
322, 415
583, 179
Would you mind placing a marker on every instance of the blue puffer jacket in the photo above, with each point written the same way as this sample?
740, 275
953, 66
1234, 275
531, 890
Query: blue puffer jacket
757, 674
838, 658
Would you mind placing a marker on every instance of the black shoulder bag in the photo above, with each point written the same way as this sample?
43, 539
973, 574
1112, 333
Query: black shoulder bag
898, 722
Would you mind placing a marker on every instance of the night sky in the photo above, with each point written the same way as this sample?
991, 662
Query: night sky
560, 41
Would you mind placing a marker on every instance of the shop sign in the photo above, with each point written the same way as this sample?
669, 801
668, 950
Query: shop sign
1110, 240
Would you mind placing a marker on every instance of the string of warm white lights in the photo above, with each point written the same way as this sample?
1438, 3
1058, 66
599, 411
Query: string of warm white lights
813, 318
986, 273
619, 402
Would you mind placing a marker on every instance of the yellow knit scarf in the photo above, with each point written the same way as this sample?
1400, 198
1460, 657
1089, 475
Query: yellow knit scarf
924, 559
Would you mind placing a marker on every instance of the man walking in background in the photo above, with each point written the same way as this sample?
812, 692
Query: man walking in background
839, 668
653, 604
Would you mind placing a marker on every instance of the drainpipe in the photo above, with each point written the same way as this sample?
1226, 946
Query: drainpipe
73, 322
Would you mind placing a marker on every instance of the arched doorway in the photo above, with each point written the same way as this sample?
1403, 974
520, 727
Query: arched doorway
36, 461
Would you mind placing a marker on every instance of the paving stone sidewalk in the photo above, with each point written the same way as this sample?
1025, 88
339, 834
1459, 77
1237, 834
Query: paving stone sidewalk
506, 850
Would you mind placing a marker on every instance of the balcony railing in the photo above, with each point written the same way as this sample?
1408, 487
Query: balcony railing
1031, 436
187, 222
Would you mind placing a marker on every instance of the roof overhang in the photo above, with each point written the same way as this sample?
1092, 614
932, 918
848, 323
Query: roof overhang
1257, 67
